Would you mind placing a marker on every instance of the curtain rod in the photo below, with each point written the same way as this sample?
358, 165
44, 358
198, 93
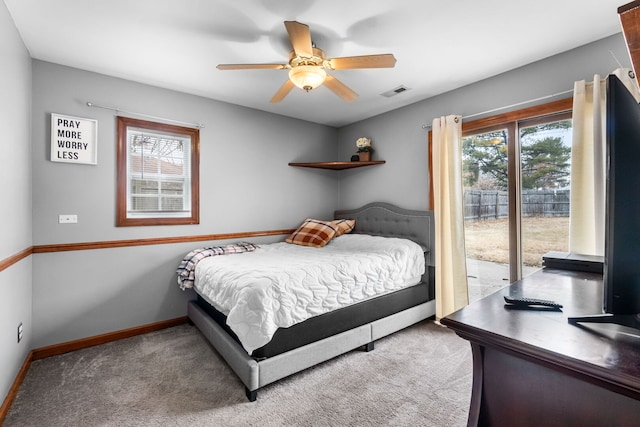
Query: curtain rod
118, 110
517, 104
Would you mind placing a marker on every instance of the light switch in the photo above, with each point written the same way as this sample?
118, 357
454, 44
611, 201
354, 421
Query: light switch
68, 219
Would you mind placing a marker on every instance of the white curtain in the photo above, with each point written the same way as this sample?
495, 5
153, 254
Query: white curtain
451, 268
588, 163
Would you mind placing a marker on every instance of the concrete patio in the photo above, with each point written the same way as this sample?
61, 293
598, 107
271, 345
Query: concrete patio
485, 277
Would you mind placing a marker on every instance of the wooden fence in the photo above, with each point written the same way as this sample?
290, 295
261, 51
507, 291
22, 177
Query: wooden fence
494, 204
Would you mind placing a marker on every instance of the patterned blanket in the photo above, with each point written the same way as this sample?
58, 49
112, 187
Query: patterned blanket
187, 268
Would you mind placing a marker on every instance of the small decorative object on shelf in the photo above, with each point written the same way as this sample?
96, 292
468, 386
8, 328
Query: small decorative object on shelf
364, 149
355, 158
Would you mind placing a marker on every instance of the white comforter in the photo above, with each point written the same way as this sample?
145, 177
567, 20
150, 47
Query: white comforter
282, 284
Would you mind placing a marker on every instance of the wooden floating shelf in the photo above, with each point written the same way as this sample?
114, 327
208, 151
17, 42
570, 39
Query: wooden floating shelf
337, 165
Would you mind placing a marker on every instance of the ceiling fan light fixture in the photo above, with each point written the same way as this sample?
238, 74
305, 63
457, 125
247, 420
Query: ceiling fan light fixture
307, 77
307, 64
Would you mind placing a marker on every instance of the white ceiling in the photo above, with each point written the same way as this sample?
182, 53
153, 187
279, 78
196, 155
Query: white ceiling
440, 45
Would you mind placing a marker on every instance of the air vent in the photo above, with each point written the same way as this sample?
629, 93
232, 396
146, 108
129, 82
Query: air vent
396, 91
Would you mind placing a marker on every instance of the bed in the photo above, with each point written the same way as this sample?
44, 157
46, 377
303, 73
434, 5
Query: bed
335, 331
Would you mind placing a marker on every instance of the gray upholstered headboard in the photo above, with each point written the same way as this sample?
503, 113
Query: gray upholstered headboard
384, 219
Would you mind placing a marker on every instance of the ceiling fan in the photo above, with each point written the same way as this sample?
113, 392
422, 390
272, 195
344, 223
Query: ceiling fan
307, 65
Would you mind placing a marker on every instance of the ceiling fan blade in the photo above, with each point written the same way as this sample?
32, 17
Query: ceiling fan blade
283, 91
252, 66
386, 60
300, 38
340, 89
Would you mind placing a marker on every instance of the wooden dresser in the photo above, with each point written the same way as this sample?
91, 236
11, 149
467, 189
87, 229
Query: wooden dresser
533, 368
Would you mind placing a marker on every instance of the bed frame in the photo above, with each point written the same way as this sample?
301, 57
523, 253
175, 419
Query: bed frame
381, 219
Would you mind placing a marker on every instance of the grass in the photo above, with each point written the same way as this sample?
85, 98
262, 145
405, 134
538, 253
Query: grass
489, 240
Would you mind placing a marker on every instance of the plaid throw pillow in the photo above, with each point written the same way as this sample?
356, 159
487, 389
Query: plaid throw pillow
343, 226
313, 232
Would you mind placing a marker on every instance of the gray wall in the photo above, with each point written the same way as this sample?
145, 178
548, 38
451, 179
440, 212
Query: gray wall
15, 193
245, 182
245, 185
399, 138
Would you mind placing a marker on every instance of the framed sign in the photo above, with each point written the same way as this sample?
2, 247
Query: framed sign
74, 139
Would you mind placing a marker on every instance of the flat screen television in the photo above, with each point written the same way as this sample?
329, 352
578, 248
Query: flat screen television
621, 274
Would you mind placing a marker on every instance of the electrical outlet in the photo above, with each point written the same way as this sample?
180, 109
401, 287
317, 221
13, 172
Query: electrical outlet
20, 334
67, 219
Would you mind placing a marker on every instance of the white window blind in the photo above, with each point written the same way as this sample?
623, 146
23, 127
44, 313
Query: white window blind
158, 174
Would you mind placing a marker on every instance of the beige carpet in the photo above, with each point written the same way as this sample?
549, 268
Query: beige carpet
420, 376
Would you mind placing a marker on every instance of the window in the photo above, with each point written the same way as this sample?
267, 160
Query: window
158, 167
516, 179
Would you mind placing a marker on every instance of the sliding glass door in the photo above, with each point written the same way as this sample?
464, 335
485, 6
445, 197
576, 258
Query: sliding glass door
516, 179
545, 165
485, 179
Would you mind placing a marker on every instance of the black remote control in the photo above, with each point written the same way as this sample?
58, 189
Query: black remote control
531, 302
